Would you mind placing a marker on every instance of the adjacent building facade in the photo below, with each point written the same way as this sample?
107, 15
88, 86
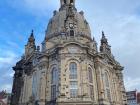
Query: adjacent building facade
138, 98
131, 97
69, 69
4, 98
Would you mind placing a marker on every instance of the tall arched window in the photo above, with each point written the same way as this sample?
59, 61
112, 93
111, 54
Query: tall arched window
73, 80
34, 85
73, 70
90, 75
54, 75
54, 82
107, 86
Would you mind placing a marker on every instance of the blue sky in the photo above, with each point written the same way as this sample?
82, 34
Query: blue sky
120, 19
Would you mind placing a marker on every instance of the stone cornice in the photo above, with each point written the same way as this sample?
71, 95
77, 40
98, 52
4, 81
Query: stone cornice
65, 34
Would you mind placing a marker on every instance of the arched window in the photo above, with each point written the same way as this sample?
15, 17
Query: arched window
54, 82
106, 80
107, 86
73, 70
71, 33
90, 75
91, 91
35, 83
73, 80
54, 75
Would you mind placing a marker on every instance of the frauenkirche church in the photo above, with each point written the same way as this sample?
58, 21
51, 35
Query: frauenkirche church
69, 69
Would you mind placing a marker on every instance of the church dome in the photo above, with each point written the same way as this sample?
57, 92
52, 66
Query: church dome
68, 21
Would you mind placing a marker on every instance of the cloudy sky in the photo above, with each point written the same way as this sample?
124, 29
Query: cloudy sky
120, 19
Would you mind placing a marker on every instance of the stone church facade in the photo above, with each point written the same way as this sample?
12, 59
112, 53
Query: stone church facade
69, 69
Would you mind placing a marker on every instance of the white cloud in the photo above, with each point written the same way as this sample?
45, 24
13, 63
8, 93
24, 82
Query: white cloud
7, 58
13, 44
132, 83
8, 74
41, 4
7, 87
36, 7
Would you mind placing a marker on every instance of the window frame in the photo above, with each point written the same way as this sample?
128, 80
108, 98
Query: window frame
90, 81
71, 33
107, 86
54, 75
73, 76
90, 75
73, 70
73, 89
54, 83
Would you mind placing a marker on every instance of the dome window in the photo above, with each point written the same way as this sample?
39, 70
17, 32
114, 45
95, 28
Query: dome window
71, 33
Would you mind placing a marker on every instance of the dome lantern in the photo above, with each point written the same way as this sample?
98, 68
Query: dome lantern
67, 2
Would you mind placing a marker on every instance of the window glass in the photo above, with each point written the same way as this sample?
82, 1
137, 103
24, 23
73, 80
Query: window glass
91, 91
73, 93
73, 89
107, 87
106, 80
71, 33
54, 83
73, 85
73, 81
73, 70
53, 91
54, 75
90, 75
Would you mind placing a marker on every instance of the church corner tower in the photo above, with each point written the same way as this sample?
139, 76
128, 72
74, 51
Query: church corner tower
69, 69
30, 47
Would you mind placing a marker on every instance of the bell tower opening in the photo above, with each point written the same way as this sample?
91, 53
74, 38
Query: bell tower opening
64, 1
72, 33
68, 2
71, 2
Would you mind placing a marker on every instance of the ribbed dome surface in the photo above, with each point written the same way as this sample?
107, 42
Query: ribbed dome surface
68, 19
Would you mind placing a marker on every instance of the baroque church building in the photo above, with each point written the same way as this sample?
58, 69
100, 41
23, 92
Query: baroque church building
69, 69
